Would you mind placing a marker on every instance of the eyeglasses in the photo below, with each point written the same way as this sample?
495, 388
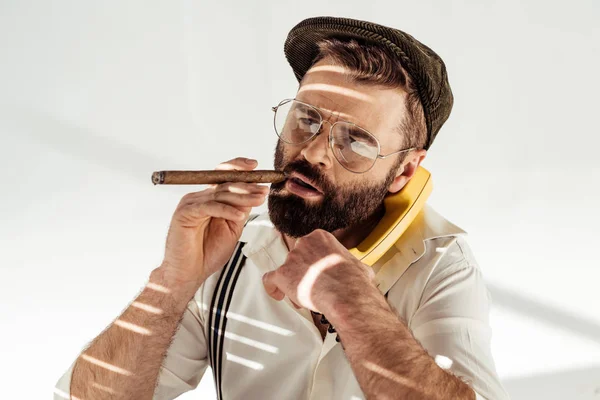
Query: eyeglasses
353, 147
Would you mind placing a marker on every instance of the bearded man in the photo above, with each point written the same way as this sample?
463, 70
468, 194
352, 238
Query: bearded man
276, 303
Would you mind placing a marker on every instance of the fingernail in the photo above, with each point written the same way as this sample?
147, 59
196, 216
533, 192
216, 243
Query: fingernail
250, 161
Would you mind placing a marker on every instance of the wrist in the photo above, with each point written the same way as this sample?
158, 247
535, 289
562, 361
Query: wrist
355, 308
163, 280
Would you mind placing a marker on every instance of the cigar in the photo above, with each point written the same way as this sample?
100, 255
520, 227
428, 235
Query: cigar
215, 176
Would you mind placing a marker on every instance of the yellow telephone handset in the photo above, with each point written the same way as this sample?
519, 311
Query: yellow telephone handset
400, 211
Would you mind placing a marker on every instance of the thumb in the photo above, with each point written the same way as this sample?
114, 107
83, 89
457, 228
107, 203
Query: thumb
269, 282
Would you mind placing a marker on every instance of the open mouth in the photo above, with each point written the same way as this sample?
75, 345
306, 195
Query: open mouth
299, 187
303, 184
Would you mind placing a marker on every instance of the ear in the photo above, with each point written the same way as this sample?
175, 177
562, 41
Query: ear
407, 169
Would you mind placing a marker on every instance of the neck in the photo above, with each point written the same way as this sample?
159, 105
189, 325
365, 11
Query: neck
351, 236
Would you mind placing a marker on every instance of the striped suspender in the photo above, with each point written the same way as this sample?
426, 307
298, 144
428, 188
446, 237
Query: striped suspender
217, 319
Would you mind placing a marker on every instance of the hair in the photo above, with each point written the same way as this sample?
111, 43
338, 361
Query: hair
371, 63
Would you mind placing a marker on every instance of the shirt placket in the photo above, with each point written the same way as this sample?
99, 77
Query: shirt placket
320, 388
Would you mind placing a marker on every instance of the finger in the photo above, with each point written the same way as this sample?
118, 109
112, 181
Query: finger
245, 210
242, 187
271, 287
240, 163
235, 187
194, 212
237, 199
194, 197
241, 200
295, 305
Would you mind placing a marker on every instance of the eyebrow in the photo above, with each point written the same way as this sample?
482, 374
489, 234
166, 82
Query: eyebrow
307, 109
362, 132
337, 113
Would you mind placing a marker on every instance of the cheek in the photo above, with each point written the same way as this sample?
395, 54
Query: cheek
292, 152
350, 183
284, 153
377, 174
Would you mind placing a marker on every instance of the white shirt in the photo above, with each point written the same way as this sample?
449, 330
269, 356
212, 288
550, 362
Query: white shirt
271, 350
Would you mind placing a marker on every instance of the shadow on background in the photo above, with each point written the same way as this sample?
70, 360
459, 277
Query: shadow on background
577, 384
530, 308
80, 143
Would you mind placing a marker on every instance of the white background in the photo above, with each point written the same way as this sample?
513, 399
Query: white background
95, 95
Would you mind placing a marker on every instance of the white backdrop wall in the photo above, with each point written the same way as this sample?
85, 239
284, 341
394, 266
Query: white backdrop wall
94, 96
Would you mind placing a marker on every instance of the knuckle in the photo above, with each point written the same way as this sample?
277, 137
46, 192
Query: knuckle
291, 255
289, 259
249, 187
211, 203
320, 233
370, 273
283, 271
185, 206
226, 186
186, 197
189, 209
199, 207
312, 234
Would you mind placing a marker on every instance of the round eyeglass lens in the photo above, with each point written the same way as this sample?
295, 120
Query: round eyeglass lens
296, 122
355, 148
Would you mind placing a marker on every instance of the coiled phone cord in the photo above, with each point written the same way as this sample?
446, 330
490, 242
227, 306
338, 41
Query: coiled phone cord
330, 328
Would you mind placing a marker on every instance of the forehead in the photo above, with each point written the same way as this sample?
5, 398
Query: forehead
329, 87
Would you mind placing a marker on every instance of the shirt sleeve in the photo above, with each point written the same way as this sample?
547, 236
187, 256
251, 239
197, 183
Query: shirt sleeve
184, 364
186, 359
452, 322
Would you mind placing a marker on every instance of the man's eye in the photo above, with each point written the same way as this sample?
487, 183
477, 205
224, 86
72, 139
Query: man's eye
309, 124
306, 121
358, 138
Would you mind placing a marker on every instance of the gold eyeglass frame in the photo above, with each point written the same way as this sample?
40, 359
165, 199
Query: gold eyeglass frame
330, 138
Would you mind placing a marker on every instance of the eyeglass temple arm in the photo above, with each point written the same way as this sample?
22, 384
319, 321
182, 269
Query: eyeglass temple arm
394, 152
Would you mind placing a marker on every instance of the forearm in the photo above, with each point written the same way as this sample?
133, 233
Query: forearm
388, 362
124, 361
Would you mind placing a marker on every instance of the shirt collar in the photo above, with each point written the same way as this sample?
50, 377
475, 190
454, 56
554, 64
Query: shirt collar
258, 234
429, 224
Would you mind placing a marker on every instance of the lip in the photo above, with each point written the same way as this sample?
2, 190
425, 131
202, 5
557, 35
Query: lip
301, 191
306, 180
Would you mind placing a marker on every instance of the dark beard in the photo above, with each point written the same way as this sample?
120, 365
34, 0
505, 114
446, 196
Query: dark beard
338, 208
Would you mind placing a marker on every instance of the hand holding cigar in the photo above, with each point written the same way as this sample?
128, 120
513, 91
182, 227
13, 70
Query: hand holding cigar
207, 224
215, 177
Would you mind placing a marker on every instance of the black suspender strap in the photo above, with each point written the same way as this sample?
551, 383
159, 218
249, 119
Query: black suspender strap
217, 319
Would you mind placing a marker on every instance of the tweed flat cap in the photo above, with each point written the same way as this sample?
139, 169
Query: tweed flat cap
423, 65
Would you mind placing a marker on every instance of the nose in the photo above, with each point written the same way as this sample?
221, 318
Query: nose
317, 150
